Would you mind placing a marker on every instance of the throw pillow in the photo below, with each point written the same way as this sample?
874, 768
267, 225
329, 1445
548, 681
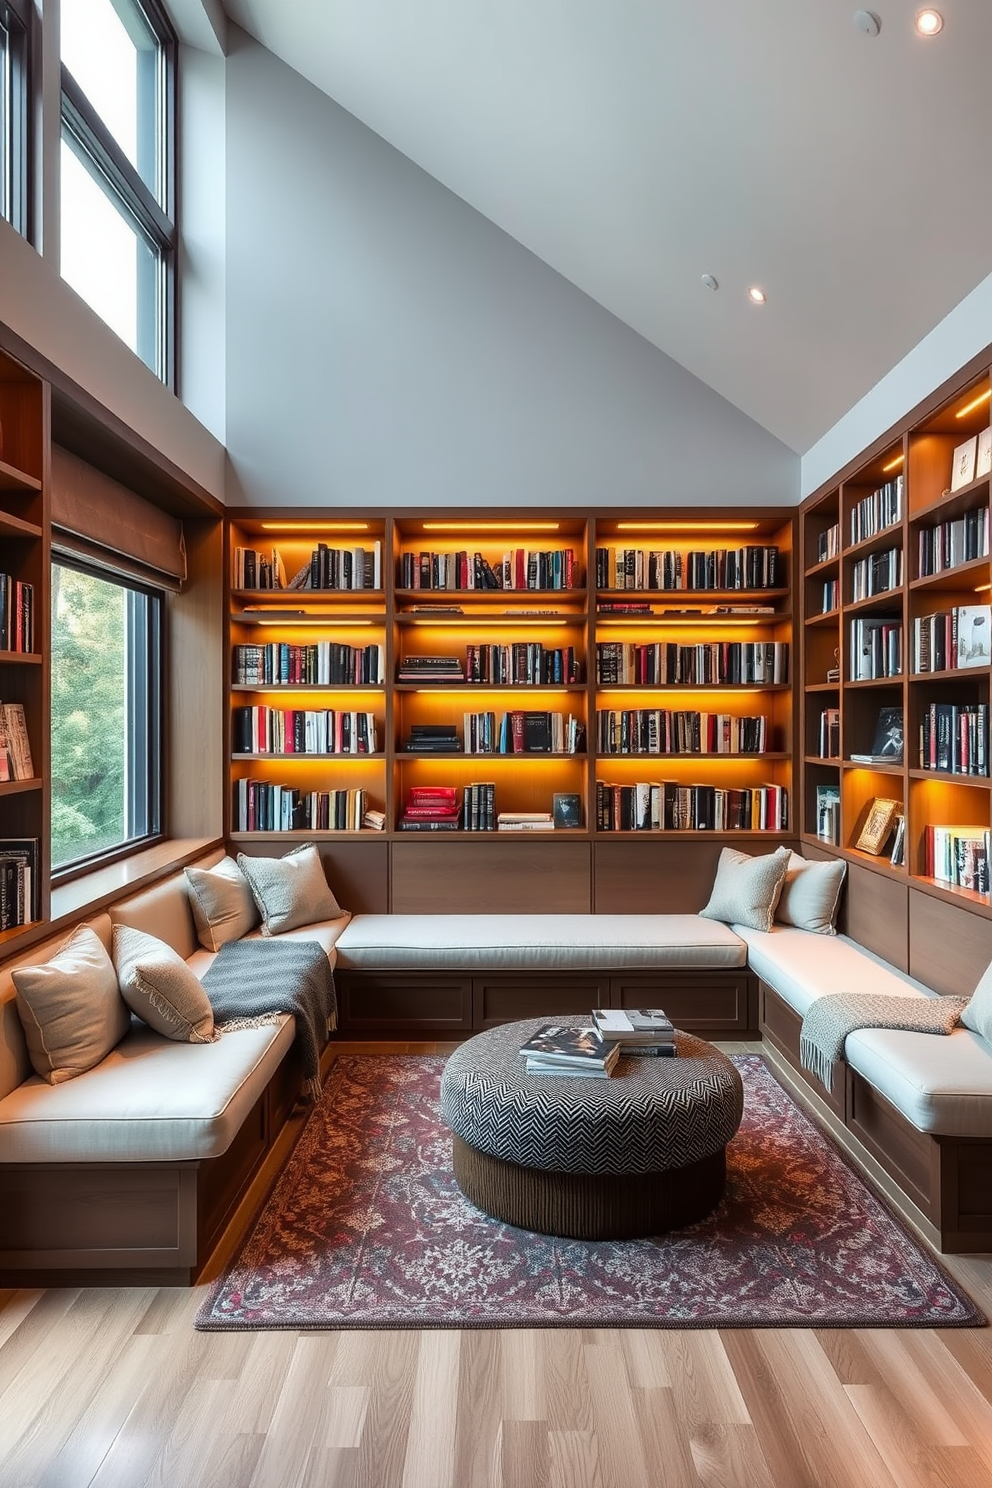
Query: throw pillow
746, 889
290, 891
222, 903
810, 895
978, 1014
70, 1008
160, 988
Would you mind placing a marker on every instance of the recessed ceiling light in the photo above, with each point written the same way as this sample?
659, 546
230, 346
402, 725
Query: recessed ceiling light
710, 282
929, 22
756, 296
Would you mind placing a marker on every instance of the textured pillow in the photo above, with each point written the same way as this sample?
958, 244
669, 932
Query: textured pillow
810, 895
978, 1014
746, 889
157, 984
290, 891
222, 903
71, 1008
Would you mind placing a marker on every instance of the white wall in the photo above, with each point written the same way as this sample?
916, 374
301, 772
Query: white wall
961, 335
202, 215
387, 345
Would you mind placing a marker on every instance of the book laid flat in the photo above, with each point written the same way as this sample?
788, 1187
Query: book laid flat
641, 1031
581, 1050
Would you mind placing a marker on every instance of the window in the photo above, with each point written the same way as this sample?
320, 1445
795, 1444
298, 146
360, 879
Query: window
14, 112
118, 233
106, 714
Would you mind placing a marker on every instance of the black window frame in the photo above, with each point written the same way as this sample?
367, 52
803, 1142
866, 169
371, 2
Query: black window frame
150, 214
16, 106
146, 680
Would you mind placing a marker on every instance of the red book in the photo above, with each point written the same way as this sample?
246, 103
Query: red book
431, 811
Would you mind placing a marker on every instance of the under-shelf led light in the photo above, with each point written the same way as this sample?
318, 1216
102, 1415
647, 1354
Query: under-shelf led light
307, 527
482, 526
687, 527
893, 464
975, 403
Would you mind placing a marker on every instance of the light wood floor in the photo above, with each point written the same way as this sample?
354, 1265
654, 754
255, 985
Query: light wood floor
113, 1388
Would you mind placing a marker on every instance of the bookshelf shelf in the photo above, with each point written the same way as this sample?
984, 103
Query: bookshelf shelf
12, 478
18, 787
22, 658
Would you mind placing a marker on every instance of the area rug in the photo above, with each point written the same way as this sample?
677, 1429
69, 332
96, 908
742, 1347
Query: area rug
366, 1228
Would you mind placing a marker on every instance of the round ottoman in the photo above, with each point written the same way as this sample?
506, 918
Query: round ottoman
593, 1159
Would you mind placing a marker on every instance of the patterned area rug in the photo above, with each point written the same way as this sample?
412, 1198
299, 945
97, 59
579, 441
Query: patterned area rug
366, 1228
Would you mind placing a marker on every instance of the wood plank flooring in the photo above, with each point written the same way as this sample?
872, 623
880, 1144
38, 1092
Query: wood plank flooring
112, 1388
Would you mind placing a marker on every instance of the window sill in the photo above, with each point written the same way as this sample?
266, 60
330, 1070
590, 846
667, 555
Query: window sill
94, 891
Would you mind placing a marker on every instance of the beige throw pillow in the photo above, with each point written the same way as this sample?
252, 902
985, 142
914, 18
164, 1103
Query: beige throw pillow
746, 889
810, 895
290, 891
71, 1008
160, 988
222, 903
978, 1014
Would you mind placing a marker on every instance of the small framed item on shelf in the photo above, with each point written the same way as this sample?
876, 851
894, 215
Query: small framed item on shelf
983, 456
888, 743
567, 809
963, 466
974, 648
878, 825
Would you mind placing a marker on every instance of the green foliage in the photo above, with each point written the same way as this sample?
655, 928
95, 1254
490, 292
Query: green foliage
88, 713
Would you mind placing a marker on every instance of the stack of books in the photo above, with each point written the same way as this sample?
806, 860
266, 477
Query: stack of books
433, 738
636, 1030
525, 821
430, 669
430, 808
574, 1052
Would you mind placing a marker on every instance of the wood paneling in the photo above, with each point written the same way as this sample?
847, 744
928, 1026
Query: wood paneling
638, 875
949, 948
781, 1025
195, 677
357, 872
875, 912
715, 1004
491, 877
383, 1003
504, 998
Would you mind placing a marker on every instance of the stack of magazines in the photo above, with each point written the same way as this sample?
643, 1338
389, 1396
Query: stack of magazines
570, 1051
635, 1030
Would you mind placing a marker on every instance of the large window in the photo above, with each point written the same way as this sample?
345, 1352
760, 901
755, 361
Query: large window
106, 714
118, 234
14, 112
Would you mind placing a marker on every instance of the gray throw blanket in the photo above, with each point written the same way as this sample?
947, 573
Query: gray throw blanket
830, 1019
252, 981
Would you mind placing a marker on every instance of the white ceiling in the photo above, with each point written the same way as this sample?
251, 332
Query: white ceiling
635, 145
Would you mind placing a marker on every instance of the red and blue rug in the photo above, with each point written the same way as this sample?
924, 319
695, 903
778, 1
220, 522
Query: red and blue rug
366, 1228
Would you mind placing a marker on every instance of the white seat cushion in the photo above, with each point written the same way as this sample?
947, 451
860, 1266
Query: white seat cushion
801, 966
150, 1100
941, 1085
325, 932
557, 942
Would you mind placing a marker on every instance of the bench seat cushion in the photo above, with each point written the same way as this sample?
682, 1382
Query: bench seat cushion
941, 1085
559, 942
801, 966
150, 1100
325, 932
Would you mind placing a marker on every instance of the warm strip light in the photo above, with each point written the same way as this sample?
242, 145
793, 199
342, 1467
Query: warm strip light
297, 623
306, 527
490, 526
687, 621
893, 464
687, 527
975, 403
982, 588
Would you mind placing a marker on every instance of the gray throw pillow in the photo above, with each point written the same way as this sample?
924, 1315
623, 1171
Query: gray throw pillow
222, 902
70, 1007
810, 894
978, 1014
290, 891
160, 988
746, 889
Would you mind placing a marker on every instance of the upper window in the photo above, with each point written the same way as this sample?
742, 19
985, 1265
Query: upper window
14, 112
118, 234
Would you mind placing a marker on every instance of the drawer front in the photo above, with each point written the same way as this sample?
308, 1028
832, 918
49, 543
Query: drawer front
780, 1025
503, 998
711, 1003
908, 1155
379, 1002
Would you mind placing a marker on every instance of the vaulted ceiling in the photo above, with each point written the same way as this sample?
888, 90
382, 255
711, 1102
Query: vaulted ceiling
636, 145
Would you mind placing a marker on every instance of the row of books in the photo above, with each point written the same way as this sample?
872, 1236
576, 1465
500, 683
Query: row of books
593, 1052
952, 640
958, 856
828, 543
876, 574
16, 762
667, 806
524, 663
883, 508
876, 649
831, 596
16, 614
428, 669
325, 664
521, 568
523, 732
829, 735
950, 543
260, 806
20, 881
955, 737
751, 567
718, 663
263, 730
667, 731
326, 568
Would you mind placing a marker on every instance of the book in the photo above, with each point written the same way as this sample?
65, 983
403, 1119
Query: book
887, 747
633, 1025
974, 623
566, 808
14, 729
963, 463
537, 1066
580, 1047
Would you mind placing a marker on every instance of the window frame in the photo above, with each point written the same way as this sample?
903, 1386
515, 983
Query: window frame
153, 220
145, 743
17, 105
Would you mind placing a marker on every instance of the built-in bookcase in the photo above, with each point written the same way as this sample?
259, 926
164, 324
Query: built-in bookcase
929, 547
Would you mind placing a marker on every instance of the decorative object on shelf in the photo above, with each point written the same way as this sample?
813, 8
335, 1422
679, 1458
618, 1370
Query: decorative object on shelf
983, 454
963, 463
567, 809
887, 746
878, 825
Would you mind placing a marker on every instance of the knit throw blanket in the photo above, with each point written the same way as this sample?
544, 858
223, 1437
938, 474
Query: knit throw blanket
830, 1019
251, 982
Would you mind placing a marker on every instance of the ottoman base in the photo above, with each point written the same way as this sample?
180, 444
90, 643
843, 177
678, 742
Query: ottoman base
589, 1206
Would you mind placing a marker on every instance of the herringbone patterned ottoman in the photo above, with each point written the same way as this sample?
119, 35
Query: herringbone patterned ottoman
637, 1154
